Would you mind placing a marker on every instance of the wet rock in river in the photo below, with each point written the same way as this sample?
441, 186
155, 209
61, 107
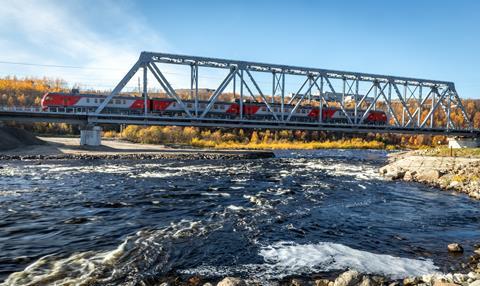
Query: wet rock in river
455, 247
298, 282
322, 282
392, 172
411, 281
231, 281
348, 278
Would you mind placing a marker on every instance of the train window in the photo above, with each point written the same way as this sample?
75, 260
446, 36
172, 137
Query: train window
189, 105
102, 100
88, 100
96, 100
124, 101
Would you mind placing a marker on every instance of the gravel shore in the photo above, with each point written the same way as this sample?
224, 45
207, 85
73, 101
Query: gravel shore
461, 174
57, 148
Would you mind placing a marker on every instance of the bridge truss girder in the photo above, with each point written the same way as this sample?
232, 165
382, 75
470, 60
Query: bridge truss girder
405, 100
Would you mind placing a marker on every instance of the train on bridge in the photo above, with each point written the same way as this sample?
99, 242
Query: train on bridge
62, 102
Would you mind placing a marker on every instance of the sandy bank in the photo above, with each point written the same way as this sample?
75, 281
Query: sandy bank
461, 174
69, 148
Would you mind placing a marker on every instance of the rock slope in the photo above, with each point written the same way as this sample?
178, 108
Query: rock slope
449, 173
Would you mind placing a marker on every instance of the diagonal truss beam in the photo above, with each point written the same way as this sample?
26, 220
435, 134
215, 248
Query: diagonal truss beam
167, 87
218, 91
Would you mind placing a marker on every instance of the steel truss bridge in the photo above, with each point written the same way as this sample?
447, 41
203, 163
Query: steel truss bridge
412, 104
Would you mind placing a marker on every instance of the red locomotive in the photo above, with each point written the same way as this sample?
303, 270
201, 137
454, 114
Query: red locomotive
170, 107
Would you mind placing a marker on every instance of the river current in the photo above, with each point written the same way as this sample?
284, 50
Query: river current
135, 222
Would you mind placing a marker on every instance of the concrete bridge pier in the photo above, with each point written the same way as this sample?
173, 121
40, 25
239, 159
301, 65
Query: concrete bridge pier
463, 142
91, 136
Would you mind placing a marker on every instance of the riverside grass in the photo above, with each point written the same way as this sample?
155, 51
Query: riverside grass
279, 145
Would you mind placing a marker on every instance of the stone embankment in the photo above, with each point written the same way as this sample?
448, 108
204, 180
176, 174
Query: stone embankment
146, 156
460, 174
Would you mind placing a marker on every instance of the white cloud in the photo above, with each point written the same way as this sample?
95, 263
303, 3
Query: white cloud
64, 33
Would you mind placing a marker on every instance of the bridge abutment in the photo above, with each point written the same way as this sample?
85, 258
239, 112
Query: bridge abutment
91, 136
462, 142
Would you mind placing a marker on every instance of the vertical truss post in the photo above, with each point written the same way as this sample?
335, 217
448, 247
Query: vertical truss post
432, 108
449, 104
356, 98
282, 102
310, 91
241, 94
273, 86
320, 98
403, 106
194, 86
420, 107
145, 95
234, 85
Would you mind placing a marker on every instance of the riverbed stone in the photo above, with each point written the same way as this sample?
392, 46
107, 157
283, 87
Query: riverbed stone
348, 278
428, 175
298, 282
322, 282
475, 283
411, 281
455, 247
409, 175
231, 281
366, 281
440, 283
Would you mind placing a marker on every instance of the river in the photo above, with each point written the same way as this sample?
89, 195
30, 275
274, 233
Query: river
111, 222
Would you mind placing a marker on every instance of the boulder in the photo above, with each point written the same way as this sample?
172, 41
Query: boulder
455, 247
231, 281
428, 176
348, 278
475, 283
392, 172
322, 282
367, 282
411, 281
440, 283
297, 282
409, 175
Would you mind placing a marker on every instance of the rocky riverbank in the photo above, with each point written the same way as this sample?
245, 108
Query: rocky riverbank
349, 278
153, 156
461, 174
468, 276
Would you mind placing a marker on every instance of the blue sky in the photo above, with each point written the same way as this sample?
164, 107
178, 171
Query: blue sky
427, 39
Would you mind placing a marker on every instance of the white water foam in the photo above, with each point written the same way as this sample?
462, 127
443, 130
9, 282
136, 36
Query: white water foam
290, 258
286, 258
